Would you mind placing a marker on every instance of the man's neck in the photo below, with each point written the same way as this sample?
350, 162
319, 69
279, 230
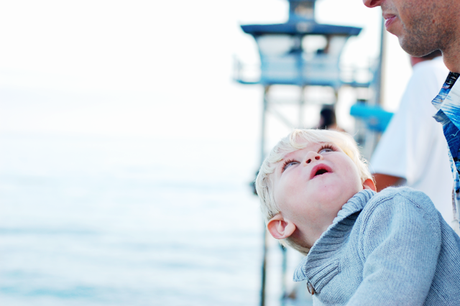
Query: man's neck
451, 47
452, 59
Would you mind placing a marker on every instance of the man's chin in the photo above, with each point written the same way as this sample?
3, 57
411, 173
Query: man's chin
416, 50
409, 48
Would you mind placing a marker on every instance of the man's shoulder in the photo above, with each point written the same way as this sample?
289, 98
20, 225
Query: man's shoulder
436, 63
433, 73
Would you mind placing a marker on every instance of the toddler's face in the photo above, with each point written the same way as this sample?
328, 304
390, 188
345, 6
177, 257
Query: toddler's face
312, 184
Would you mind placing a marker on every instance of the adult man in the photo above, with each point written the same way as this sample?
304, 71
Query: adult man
413, 150
423, 26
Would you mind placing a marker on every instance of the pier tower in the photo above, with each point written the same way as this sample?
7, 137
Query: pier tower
298, 55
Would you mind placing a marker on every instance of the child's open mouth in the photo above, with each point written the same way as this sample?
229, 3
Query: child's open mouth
320, 170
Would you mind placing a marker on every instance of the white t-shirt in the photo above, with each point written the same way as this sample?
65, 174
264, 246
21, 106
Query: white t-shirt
413, 146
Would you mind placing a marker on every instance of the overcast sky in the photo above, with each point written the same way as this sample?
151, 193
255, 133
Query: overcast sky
159, 68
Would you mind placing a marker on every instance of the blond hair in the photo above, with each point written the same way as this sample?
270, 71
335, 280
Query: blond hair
297, 140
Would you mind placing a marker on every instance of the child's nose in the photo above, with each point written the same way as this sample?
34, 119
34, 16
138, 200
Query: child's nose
312, 156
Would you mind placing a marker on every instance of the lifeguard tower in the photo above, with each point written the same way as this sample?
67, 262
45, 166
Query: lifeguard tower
299, 54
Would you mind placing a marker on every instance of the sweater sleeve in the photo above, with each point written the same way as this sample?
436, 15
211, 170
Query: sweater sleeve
400, 241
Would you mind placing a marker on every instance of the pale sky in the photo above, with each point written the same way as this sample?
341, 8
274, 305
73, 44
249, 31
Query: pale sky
157, 68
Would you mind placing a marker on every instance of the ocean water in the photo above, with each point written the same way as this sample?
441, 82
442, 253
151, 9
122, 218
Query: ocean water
129, 221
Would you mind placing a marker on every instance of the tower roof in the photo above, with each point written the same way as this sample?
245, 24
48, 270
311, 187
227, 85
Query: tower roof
302, 28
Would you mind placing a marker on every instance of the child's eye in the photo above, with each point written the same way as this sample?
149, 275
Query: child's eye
288, 163
326, 148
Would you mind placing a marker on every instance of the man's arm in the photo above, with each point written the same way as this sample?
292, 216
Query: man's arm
383, 181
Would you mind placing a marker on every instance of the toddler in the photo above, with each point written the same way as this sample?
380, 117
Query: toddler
361, 247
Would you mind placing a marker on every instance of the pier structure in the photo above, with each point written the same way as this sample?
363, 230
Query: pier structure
300, 55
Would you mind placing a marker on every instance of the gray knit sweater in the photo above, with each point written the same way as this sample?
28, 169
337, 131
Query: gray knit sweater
387, 248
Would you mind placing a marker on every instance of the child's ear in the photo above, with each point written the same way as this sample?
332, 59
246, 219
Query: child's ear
369, 184
280, 228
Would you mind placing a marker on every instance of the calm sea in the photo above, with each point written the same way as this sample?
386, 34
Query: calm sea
129, 221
